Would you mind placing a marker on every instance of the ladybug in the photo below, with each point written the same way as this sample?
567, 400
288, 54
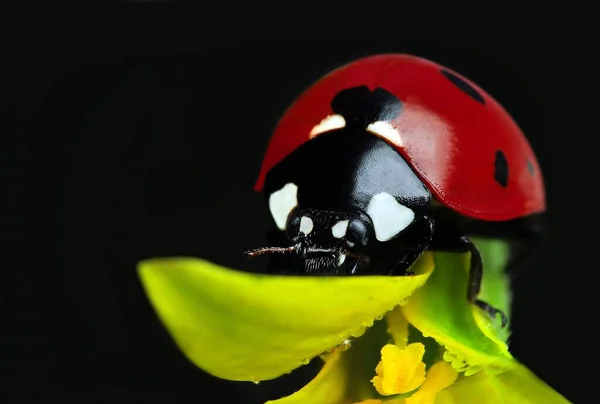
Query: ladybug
389, 156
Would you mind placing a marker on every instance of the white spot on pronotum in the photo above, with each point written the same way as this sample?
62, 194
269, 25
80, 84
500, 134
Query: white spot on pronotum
386, 131
306, 225
282, 202
389, 217
329, 123
339, 229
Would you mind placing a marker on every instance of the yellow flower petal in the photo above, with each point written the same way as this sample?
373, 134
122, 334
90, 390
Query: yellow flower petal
472, 390
328, 387
522, 386
250, 327
400, 370
425, 398
438, 377
515, 386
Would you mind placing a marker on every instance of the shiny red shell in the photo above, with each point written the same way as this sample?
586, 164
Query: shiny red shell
448, 137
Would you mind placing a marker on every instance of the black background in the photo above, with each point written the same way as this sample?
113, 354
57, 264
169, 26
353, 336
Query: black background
139, 131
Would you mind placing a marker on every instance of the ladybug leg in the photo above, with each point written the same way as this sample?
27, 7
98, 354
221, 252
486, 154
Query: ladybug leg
475, 278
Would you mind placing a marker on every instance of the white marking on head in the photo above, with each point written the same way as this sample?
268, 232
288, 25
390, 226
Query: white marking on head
389, 217
339, 229
306, 225
282, 202
329, 123
386, 131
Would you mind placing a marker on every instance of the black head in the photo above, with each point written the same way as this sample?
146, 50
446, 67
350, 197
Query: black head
345, 202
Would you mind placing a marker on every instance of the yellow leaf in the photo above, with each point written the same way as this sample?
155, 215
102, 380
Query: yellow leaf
328, 387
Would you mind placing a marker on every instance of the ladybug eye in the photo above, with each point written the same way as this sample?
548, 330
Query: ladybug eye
292, 228
358, 234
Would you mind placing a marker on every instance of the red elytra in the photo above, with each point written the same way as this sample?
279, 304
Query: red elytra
449, 138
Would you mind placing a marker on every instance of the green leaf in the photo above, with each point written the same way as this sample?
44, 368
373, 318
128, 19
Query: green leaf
441, 310
252, 327
495, 286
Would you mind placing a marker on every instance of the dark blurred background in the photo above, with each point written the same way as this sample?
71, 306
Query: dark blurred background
139, 131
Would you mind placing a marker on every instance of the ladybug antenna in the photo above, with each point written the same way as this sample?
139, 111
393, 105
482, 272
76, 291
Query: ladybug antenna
270, 250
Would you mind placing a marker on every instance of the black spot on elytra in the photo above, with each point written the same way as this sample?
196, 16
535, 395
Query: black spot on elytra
360, 106
464, 86
501, 169
530, 167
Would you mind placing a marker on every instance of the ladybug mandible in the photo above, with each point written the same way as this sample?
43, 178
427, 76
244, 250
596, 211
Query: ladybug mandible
389, 156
